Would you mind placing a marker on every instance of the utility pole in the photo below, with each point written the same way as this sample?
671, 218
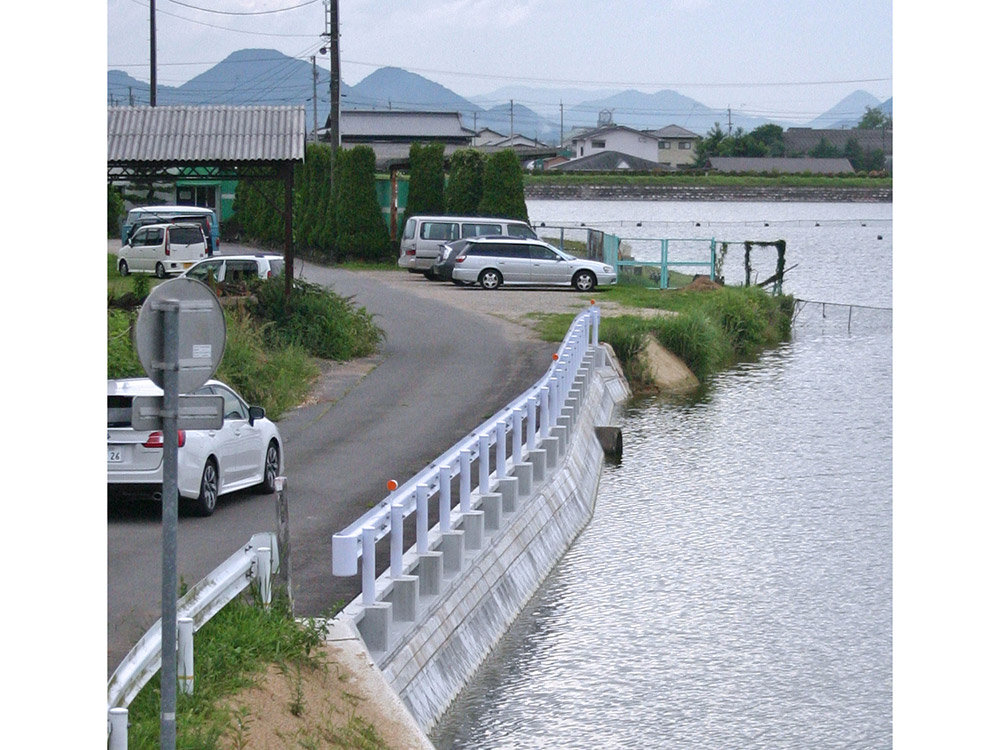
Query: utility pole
729, 113
511, 118
334, 84
315, 115
560, 124
152, 53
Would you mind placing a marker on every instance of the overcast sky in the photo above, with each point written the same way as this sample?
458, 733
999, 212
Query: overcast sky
778, 59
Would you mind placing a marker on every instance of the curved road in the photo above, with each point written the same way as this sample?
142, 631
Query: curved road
440, 372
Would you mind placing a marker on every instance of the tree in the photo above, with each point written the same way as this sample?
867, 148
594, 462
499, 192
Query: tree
503, 187
426, 180
464, 190
361, 231
873, 119
825, 150
116, 210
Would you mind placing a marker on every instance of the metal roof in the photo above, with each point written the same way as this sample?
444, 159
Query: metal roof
803, 140
609, 161
374, 124
673, 131
181, 134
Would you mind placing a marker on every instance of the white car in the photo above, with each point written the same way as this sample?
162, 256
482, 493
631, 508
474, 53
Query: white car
163, 249
492, 262
246, 452
234, 269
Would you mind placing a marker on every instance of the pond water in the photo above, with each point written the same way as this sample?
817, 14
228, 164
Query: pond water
734, 588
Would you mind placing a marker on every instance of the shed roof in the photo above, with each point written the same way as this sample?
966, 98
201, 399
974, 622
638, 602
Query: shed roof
609, 161
399, 123
188, 134
802, 140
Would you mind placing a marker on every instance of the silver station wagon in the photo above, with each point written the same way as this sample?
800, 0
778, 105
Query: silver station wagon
494, 262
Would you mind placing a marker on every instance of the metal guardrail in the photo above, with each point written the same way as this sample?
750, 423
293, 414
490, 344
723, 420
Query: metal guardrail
540, 405
257, 561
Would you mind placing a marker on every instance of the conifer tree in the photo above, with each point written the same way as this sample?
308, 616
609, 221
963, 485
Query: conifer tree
426, 180
503, 187
464, 190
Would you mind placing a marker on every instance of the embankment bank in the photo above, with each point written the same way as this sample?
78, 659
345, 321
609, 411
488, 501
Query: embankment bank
735, 193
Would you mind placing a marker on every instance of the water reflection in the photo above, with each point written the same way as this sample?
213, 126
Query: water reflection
734, 587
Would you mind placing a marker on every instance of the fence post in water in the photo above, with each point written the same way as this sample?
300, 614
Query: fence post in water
664, 272
465, 479
185, 655
850, 310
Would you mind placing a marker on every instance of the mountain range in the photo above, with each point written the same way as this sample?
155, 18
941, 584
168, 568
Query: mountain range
268, 77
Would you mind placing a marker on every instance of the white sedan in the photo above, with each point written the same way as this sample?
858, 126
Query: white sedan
246, 452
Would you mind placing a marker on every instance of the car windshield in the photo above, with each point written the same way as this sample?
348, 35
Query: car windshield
186, 235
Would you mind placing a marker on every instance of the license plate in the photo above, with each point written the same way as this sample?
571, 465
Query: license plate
115, 456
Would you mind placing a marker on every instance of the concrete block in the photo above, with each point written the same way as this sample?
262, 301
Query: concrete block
489, 504
551, 447
538, 459
374, 626
522, 472
508, 494
472, 525
451, 551
430, 570
404, 598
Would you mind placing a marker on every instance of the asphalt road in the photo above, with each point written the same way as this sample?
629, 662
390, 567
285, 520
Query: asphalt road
448, 363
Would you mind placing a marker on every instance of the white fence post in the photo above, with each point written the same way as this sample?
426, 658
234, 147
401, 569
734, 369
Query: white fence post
368, 565
501, 449
484, 463
444, 498
465, 479
264, 574
422, 519
185, 654
118, 729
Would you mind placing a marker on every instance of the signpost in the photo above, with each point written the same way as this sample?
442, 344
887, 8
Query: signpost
180, 336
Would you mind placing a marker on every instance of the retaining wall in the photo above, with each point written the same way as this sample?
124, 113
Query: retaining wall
494, 562
709, 193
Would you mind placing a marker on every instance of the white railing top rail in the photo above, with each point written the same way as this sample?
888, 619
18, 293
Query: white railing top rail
205, 599
581, 335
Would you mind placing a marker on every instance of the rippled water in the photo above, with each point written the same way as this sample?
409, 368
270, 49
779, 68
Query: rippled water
734, 588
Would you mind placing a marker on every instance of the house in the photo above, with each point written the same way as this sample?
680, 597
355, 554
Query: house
486, 137
779, 165
608, 161
390, 133
618, 138
675, 146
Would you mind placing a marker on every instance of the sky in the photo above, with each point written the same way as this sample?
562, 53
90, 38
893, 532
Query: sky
775, 59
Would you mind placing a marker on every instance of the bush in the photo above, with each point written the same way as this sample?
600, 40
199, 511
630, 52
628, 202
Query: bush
742, 315
323, 323
116, 211
695, 339
503, 187
123, 362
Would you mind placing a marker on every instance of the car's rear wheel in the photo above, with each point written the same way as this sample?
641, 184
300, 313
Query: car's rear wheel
123, 267
272, 462
490, 279
584, 281
208, 494
161, 272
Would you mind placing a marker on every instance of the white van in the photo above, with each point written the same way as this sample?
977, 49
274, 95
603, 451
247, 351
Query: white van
144, 215
163, 249
423, 236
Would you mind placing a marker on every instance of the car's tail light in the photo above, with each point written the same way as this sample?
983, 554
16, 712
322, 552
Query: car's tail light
411, 252
460, 259
268, 274
155, 439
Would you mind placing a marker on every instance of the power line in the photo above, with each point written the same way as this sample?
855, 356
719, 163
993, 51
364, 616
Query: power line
243, 13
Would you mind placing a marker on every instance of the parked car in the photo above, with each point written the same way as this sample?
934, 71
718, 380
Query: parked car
144, 215
236, 269
445, 263
424, 235
493, 262
246, 452
163, 249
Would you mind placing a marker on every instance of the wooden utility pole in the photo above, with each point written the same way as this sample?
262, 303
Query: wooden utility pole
334, 86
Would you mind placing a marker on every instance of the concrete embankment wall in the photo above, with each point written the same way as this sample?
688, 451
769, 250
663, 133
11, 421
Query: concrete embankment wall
529, 526
708, 193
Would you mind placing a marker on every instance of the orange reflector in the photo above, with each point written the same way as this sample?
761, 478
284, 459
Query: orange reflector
392, 485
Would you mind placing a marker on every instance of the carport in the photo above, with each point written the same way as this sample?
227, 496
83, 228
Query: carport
249, 144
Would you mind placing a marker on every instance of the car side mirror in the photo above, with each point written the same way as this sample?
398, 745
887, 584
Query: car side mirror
256, 412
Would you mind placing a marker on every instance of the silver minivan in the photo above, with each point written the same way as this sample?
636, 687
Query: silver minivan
163, 249
423, 237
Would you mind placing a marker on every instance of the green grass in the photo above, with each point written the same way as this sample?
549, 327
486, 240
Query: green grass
708, 330
232, 650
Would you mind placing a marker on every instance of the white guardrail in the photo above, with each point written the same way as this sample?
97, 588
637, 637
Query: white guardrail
256, 561
540, 405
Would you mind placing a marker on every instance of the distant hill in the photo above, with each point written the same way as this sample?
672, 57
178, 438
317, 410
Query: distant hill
268, 77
